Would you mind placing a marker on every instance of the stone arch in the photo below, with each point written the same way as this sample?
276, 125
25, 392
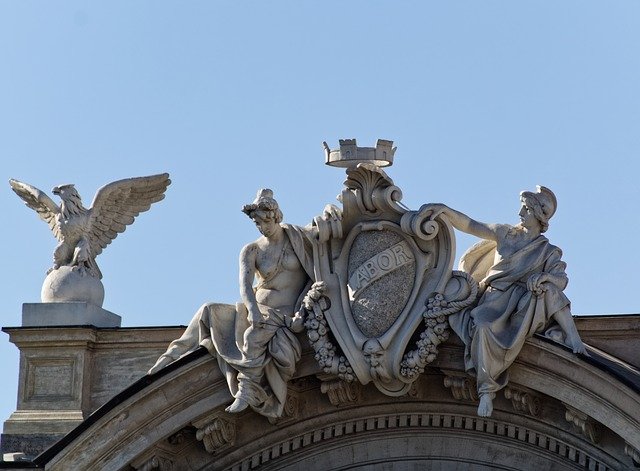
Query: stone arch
175, 420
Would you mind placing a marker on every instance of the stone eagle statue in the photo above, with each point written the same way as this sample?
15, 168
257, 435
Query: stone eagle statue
84, 232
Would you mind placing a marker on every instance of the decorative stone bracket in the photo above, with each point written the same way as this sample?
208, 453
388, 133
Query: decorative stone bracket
633, 453
523, 400
585, 424
216, 432
341, 393
463, 387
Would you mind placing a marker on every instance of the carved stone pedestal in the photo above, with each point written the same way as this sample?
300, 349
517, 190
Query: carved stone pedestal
72, 313
67, 372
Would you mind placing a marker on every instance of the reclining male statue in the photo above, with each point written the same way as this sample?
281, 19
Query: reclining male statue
523, 278
254, 340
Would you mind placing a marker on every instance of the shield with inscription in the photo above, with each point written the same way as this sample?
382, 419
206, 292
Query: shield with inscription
382, 268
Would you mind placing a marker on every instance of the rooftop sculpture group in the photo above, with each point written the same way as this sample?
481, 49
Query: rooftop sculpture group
371, 283
363, 279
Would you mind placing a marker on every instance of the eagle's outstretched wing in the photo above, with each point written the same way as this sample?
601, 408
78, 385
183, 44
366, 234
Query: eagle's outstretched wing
40, 202
116, 205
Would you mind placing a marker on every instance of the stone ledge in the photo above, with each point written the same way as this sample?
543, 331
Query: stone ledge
29, 444
42, 422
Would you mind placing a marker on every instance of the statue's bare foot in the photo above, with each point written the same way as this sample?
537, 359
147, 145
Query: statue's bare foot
238, 406
485, 409
161, 363
575, 343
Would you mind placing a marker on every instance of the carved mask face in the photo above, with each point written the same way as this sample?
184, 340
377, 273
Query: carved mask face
373, 352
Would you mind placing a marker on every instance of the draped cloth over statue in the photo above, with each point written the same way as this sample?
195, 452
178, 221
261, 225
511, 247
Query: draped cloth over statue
495, 330
256, 361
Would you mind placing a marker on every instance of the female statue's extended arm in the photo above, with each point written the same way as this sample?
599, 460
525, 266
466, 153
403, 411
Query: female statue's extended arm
462, 222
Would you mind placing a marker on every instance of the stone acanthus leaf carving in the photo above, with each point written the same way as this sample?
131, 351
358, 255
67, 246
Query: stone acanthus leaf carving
374, 190
341, 393
215, 432
585, 424
436, 328
84, 232
523, 401
327, 355
462, 386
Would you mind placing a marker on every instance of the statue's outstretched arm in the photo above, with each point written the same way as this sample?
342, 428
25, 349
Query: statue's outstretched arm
462, 222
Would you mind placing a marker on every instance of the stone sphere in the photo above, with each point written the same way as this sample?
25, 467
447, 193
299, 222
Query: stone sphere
68, 285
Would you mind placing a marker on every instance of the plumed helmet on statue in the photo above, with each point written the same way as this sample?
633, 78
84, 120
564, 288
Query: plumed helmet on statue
543, 203
265, 205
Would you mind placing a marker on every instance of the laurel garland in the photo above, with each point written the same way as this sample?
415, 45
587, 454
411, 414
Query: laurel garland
437, 329
326, 352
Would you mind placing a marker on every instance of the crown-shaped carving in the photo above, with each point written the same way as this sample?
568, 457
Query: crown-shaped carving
350, 155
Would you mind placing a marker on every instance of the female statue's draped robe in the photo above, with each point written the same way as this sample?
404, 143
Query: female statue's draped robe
507, 313
259, 361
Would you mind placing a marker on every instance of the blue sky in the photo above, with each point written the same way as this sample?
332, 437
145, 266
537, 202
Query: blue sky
483, 100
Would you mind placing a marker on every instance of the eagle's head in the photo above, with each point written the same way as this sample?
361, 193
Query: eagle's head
70, 197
